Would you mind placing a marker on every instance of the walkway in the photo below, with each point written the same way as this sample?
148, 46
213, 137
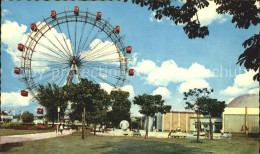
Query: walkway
32, 137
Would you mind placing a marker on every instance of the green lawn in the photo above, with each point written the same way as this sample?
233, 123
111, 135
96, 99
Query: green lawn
5, 132
97, 144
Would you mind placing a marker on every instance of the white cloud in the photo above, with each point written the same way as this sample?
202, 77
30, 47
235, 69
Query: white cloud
152, 18
233, 91
5, 12
134, 59
243, 83
254, 91
127, 88
208, 14
14, 99
12, 34
169, 71
166, 94
246, 80
191, 84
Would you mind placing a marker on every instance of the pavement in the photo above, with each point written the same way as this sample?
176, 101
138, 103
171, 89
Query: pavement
33, 137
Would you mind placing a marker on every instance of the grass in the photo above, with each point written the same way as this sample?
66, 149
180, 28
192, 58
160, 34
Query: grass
98, 144
5, 132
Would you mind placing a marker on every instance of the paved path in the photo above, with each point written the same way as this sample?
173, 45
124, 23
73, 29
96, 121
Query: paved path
32, 137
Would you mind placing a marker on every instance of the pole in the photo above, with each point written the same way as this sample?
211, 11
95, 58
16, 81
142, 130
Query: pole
246, 121
198, 126
83, 124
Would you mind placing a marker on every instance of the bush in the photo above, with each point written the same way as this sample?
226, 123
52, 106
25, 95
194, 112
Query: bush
10, 125
27, 117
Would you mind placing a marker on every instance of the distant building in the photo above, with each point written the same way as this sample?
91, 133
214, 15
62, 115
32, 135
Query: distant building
204, 124
177, 120
242, 114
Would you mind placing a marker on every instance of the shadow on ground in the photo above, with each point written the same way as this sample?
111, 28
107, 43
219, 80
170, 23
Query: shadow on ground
147, 146
9, 146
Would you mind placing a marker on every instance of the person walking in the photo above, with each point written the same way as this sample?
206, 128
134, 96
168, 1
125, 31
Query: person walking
61, 129
57, 128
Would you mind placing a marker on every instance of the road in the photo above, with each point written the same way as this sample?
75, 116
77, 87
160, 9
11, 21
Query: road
32, 137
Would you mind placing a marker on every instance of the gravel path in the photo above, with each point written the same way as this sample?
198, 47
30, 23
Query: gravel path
32, 137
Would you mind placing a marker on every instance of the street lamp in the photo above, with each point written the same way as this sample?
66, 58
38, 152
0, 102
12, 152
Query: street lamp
58, 108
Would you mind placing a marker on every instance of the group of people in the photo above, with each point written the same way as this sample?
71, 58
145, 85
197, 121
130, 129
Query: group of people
59, 128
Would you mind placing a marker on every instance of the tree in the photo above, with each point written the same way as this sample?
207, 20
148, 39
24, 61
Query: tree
27, 117
193, 95
244, 14
89, 96
52, 96
212, 108
150, 105
120, 107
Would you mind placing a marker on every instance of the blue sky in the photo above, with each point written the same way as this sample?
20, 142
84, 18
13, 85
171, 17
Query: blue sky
166, 62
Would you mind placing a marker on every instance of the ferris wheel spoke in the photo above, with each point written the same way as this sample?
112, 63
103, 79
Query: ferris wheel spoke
82, 32
64, 55
104, 80
68, 50
96, 35
46, 47
102, 55
90, 53
86, 40
100, 65
47, 60
46, 72
67, 23
75, 47
49, 76
105, 73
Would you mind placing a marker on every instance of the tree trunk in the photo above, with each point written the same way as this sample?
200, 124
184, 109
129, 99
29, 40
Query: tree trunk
198, 127
210, 128
147, 125
83, 124
95, 126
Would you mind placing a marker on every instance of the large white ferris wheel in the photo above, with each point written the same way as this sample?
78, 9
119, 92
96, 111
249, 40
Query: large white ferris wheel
72, 45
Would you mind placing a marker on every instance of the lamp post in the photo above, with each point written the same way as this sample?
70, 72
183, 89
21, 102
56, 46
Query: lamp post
58, 109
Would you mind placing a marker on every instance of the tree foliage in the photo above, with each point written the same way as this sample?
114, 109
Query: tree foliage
88, 95
27, 117
211, 107
120, 107
192, 97
52, 96
244, 14
151, 104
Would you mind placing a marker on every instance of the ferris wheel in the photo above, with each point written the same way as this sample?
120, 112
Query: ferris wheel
72, 45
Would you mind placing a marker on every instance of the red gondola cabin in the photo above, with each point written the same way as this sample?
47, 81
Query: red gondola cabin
20, 47
24, 93
76, 10
33, 27
17, 70
129, 49
39, 110
53, 14
99, 14
131, 72
117, 29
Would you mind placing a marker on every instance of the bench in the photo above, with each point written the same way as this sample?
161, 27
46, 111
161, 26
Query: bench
178, 136
138, 134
